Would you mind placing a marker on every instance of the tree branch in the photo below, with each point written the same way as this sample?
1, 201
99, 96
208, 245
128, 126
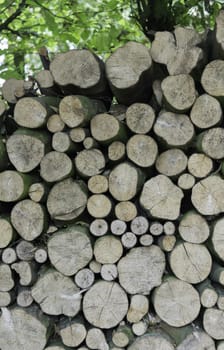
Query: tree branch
11, 18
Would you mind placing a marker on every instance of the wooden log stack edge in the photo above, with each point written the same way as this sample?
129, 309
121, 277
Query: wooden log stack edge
112, 199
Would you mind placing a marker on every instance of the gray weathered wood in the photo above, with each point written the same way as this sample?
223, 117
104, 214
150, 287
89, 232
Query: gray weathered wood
90, 162
140, 118
72, 332
142, 150
193, 227
171, 162
213, 322
199, 165
95, 339
138, 308
6, 278
125, 211
108, 249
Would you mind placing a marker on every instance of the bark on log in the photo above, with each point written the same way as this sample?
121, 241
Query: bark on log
57, 294
70, 249
23, 329
128, 70
218, 46
176, 302
105, 304
134, 278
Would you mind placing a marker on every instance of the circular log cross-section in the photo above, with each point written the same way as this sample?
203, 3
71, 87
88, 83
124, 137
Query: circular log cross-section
176, 302
14, 186
124, 181
128, 70
171, 162
161, 198
29, 219
108, 249
90, 162
152, 342
212, 78
6, 232
218, 238
55, 166
142, 150
179, 92
70, 249
134, 277
193, 228
211, 142
67, 200
213, 322
206, 112
140, 118
190, 262
57, 294
199, 165
105, 304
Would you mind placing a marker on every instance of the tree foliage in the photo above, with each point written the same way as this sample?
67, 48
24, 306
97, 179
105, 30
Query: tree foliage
100, 25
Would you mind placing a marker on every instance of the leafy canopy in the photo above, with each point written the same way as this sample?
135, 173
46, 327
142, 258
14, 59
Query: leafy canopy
100, 25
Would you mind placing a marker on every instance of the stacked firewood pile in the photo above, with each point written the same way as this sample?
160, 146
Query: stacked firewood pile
112, 226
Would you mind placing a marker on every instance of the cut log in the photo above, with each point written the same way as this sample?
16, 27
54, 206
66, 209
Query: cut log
176, 302
169, 228
171, 162
109, 272
26, 149
78, 135
105, 304
179, 92
156, 228
9, 88
213, 322
217, 238
98, 227
174, 130
125, 181
167, 243
95, 266
199, 165
108, 249
139, 328
207, 195
134, 278
38, 192
6, 278
9, 256
70, 249
25, 250
178, 51
142, 150
220, 301
80, 72
208, 294
105, 128
29, 219
161, 198
206, 112
99, 206
116, 151
78, 110
125, 211
122, 336
186, 181
90, 162
56, 166
6, 298
211, 142
128, 70
7, 233
193, 227
72, 332
140, 118
217, 273
33, 112
67, 200
152, 341
41, 255
139, 225
89, 143
46, 84
23, 329
197, 340
146, 240
57, 294
27, 272
98, 184
190, 262
129, 240
118, 227
24, 297
139, 307
212, 79
61, 142
55, 123
95, 339
84, 278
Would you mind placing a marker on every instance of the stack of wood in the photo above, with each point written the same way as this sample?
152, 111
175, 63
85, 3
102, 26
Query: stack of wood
111, 226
